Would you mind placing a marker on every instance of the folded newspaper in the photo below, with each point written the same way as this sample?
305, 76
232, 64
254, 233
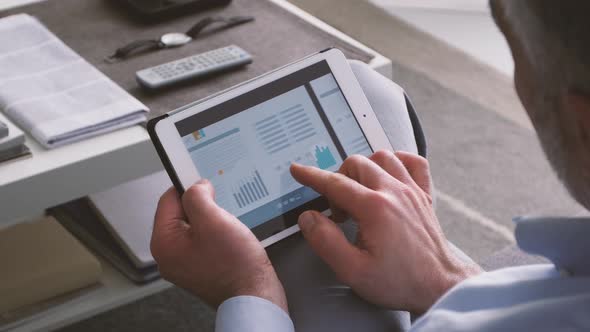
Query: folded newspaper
52, 92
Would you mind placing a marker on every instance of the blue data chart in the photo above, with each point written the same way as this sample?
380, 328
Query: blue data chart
324, 157
250, 190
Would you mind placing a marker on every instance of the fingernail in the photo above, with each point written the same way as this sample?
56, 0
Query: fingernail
306, 221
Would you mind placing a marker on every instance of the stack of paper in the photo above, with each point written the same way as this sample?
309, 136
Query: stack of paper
12, 141
54, 94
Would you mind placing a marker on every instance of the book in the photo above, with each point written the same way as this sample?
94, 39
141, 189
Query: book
14, 138
128, 209
3, 130
20, 151
41, 260
12, 144
80, 219
117, 224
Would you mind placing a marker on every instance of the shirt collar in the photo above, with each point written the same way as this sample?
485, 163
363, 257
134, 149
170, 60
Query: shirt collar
564, 241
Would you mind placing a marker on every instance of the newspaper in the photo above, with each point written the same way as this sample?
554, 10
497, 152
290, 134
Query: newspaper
52, 92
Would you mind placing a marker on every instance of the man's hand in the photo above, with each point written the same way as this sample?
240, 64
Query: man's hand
401, 259
202, 248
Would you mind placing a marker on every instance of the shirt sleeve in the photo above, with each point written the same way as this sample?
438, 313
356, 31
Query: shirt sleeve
250, 313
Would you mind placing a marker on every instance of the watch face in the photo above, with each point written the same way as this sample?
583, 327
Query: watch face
175, 39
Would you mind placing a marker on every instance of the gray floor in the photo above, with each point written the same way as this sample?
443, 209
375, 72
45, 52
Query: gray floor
486, 168
496, 169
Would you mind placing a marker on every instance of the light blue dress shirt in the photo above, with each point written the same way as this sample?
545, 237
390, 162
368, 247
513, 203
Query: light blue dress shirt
548, 297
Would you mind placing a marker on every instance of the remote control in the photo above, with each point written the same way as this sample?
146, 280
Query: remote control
191, 67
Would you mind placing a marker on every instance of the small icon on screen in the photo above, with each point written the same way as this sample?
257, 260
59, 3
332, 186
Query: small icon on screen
324, 157
199, 134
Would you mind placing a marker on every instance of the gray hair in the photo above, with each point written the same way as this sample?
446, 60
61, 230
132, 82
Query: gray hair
556, 37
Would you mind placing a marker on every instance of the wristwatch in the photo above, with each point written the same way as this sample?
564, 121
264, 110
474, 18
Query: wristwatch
176, 39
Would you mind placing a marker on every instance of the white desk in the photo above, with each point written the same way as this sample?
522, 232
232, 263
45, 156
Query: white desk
56, 176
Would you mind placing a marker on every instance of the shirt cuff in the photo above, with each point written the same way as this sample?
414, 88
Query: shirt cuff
251, 313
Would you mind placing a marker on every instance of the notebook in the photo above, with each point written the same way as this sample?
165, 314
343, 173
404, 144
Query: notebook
12, 144
80, 219
128, 212
3, 129
14, 136
14, 153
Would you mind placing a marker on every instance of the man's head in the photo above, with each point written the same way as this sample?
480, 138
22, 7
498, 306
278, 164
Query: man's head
550, 43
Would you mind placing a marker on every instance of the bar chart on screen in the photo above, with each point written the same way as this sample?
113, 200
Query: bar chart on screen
249, 190
324, 157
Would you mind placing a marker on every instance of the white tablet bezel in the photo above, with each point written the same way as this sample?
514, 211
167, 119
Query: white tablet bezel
179, 157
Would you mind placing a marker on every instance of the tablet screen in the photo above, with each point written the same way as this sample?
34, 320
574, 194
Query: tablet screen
245, 146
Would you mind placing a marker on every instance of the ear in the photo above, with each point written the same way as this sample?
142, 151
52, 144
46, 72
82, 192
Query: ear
577, 105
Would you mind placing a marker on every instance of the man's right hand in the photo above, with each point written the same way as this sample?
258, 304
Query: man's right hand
401, 258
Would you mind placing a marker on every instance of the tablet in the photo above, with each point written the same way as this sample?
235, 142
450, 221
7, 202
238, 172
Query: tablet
243, 140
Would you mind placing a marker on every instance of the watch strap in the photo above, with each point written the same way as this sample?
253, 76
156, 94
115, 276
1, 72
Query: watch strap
135, 47
198, 29
226, 23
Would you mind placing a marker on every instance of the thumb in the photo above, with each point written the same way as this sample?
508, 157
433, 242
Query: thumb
199, 204
327, 241
204, 215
